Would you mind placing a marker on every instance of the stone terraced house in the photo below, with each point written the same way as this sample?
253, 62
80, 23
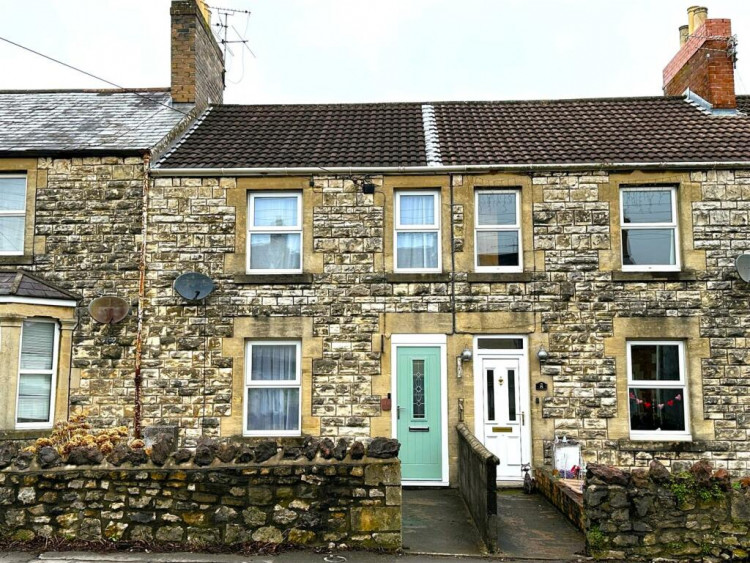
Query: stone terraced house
73, 173
537, 269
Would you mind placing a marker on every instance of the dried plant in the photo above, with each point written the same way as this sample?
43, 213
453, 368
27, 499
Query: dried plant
77, 432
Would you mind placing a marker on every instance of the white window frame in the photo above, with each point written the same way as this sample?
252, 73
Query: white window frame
399, 228
295, 383
660, 435
253, 230
495, 228
17, 213
641, 226
53, 384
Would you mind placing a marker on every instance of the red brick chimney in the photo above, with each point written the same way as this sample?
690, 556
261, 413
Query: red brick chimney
197, 60
705, 62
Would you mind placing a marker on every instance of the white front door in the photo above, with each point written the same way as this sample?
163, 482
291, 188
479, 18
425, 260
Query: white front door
504, 418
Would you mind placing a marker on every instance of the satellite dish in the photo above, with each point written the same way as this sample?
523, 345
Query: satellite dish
108, 309
743, 266
194, 286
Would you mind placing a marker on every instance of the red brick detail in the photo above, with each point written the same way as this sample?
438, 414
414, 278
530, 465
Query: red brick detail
703, 65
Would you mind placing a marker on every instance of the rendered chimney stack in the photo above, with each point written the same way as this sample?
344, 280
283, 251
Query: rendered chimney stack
197, 60
705, 62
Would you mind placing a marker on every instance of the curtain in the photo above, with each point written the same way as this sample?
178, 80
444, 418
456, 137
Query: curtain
417, 250
273, 409
275, 251
274, 362
417, 209
275, 212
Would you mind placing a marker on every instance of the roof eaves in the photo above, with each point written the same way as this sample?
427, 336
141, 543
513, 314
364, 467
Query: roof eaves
183, 138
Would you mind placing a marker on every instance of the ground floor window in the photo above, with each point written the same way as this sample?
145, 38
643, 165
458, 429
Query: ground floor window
272, 388
36, 375
657, 390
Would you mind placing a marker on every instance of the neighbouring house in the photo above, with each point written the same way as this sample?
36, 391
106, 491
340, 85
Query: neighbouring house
73, 174
536, 269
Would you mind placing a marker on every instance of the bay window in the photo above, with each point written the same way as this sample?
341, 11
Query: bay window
36, 375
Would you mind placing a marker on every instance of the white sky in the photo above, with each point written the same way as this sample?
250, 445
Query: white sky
373, 50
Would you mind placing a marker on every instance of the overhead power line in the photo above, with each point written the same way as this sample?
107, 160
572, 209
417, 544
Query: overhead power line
90, 75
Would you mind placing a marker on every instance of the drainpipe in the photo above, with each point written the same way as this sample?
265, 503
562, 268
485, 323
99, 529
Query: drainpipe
137, 411
453, 260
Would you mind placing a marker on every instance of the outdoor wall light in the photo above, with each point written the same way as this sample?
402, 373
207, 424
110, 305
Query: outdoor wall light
542, 355
464, 356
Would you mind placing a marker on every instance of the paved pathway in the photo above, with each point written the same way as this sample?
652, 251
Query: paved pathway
436, 521
530, 527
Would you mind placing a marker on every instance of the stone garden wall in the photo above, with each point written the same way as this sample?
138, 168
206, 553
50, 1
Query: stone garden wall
651, 513
312, 494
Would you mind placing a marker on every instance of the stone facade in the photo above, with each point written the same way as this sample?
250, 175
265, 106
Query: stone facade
245, 495
572, 298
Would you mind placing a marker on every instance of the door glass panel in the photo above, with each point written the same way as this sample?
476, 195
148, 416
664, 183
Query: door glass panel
511, 394
490, 394
418, 386
500, 343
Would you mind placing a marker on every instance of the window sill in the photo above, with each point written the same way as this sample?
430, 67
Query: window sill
685, 275
669, 445
499, 277
418, 278
24, 433
12, 260
274, 279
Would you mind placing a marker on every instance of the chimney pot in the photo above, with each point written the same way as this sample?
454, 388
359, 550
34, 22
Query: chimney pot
705, 62
699, 17
684, 32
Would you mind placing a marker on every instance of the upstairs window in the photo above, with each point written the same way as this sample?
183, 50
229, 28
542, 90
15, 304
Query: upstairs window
12, 213
648, 221
417, 228
272, 388
36, 376
497, 234
657, 391
274, 239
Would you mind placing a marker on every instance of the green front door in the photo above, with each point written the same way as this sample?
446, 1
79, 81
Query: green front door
419, 423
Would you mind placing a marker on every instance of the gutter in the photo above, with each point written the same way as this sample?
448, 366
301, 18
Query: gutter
464, 168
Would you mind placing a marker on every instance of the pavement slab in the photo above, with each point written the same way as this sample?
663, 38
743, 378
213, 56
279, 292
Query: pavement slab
436, 521
530, 527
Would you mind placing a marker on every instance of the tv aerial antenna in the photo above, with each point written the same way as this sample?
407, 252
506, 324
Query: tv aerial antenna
224, 25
